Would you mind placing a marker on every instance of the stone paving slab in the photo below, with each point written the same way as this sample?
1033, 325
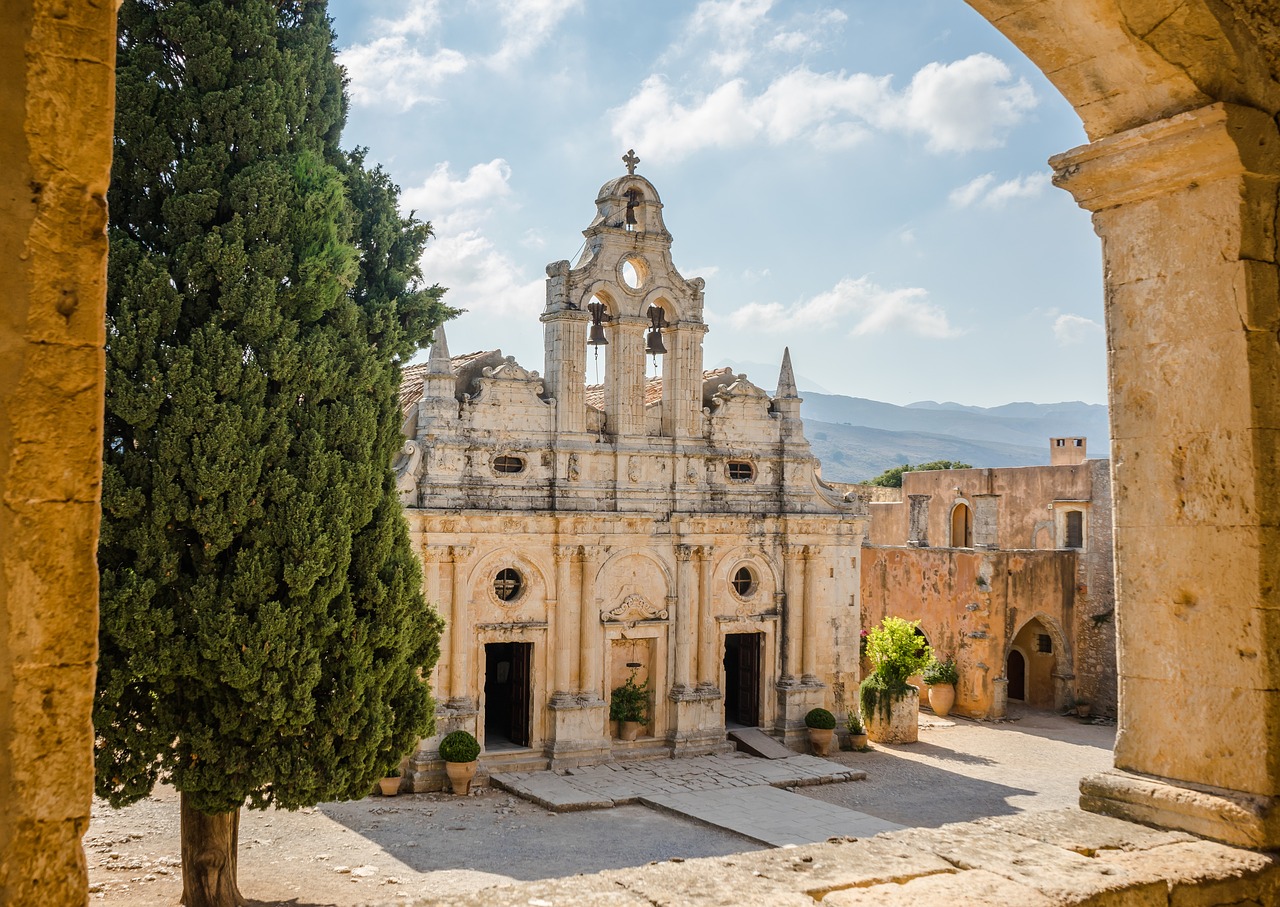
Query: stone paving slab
617, 784
772, 816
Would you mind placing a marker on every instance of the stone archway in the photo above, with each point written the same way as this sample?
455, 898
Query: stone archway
1178, 99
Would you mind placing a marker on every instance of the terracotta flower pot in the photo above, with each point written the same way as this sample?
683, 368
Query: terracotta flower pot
942, 696
460, 775
858, 741
820, 740
628, 730
390, 786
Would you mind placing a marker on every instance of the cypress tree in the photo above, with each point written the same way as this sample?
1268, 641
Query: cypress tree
263, 634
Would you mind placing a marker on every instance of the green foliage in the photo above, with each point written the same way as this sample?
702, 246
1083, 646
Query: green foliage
630, 702
459, 746
853, 722
263, 634
820, 720
938, 672
392, 772
896, 652
892, 477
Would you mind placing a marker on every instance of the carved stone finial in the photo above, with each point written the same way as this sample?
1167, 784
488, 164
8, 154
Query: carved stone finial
631, 160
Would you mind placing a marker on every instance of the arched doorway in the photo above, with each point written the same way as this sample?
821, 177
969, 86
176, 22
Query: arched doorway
1015, 669
961, 526
1034, 654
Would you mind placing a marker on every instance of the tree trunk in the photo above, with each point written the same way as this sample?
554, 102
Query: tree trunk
209, 858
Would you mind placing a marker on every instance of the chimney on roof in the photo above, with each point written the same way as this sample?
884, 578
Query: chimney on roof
1067, 451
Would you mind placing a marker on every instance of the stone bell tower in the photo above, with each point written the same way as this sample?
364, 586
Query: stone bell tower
622, 292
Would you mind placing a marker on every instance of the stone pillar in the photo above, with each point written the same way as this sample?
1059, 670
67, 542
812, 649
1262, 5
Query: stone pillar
685, 617
708, 632
564, 641
565, 370
624, 380
918, 520
682, 380
460, 635
792, 631
1186, 208
812, 608
57, 66
592, 644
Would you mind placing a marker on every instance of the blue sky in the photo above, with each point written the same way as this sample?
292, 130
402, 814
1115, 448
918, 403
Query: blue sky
864, 182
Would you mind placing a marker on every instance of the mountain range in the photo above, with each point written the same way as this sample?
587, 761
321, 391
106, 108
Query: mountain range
857, 439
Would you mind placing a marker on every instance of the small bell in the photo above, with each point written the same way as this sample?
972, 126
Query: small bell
653, 343
596, 336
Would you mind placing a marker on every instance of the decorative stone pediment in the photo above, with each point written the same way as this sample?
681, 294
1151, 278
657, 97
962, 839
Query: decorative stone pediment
633, 608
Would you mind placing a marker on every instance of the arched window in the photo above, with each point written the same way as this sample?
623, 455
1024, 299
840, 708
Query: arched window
961, 526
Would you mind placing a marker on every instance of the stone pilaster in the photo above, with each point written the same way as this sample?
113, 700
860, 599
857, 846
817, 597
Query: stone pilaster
1186, 208
461, 695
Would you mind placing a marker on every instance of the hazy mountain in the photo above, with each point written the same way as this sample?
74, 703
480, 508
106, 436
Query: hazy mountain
765, 376
857, 439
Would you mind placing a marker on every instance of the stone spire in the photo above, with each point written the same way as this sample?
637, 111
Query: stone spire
439, 363
786, 377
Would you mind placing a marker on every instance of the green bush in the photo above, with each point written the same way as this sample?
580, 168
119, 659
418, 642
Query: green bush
393, 772
630, 702
459, 746
939, 672
895, 652
854, 722
820, 719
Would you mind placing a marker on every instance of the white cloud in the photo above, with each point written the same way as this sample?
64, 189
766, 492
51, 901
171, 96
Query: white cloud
830, 110
871, 309
985, 191
1073, 329
527, 25
442, 193
965, 105
482, 279
391, 72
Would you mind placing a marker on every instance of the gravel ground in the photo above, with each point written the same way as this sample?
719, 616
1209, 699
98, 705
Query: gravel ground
380, 850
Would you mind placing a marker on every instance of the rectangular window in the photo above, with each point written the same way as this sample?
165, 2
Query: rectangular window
1075, 529
1044, 643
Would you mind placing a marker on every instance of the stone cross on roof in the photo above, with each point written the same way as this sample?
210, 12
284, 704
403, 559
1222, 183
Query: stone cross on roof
631, 160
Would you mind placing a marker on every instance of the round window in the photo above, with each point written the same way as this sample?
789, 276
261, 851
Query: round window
507, 584
744, 582
633, 273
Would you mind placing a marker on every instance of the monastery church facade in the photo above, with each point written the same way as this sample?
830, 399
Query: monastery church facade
674, 529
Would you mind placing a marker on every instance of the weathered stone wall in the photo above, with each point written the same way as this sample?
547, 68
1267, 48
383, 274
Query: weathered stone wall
971, 605
56, 108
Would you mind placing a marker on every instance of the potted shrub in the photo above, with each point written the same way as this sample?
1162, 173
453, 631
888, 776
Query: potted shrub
942, 677
890, 705
390, 784
822, 726
629, 706
857, 731
460, 752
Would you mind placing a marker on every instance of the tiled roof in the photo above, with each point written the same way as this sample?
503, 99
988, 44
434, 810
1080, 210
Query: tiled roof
412, 375
652, 388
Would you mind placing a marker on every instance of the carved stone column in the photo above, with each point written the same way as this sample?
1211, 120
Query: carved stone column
460, 635
792, 632
592, 652
565, 639
812, 607
1186, 208
708, 632
684, 618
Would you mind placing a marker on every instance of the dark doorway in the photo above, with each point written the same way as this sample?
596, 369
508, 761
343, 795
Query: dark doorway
1016, 671
742, 679
507, 696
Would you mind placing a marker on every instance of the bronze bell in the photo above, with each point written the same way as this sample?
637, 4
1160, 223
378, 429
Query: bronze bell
653, 343
596, 336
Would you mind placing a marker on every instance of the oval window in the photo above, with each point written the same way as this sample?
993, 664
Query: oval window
633, 273
741, 471
744, 582
508, 464
507, 584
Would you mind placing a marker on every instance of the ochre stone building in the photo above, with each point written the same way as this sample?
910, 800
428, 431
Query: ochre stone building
673, 528
1009, 572
1179, 100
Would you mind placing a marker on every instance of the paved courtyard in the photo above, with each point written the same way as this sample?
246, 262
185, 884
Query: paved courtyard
383, 850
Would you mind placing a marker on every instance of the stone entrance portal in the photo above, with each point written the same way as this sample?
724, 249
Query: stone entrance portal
506, 694
742, 679
1016, 671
